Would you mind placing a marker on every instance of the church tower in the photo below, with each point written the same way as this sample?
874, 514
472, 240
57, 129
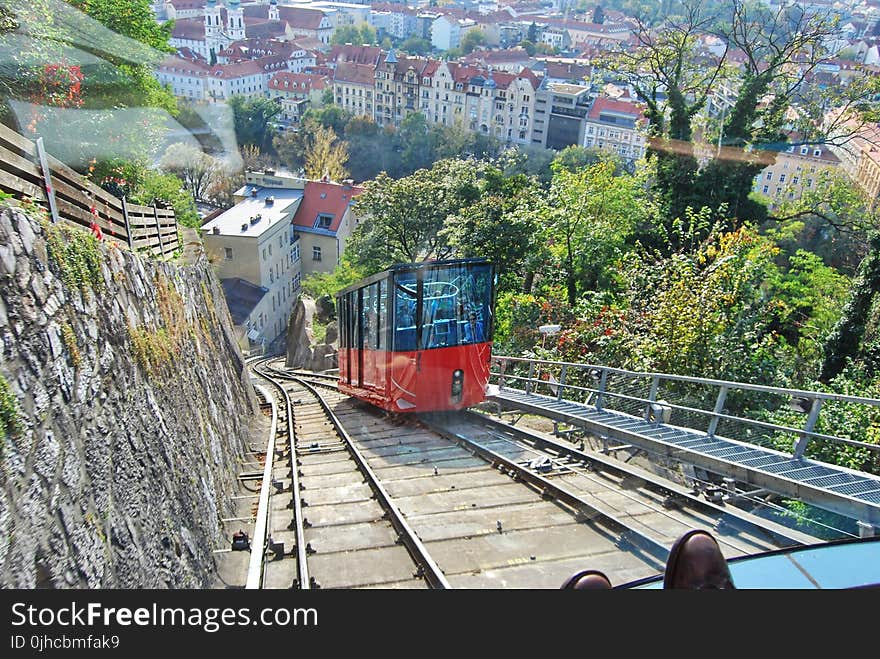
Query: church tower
273, 11
234, 21
213, 30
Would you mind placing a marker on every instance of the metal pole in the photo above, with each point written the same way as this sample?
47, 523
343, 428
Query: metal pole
719, 406
652, 397
561, 381
47, 178
801, 444
602, 382
531, 375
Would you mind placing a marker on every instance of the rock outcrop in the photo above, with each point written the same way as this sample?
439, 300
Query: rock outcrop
125, 410
302, 351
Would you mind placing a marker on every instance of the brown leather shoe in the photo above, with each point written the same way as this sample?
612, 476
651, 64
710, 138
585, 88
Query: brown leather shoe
587, 580
696, 563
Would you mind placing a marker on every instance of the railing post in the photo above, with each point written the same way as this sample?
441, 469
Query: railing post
127, 225
502, 365
801, 444
652, 397
529, 379
602, 382
561, 381
719, 406
47, 179
159, 231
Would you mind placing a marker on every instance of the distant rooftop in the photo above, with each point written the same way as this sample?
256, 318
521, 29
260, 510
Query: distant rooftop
232, 221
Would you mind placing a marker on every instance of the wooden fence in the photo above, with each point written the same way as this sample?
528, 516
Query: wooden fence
22, 167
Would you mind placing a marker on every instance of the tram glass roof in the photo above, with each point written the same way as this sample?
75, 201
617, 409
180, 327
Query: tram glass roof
403, 267
853, 563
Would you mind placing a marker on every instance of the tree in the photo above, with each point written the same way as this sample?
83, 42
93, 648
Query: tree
782, 47
589, 214
501, 225
416, 46
404, 218
251, 117
471, 40
326, 156
192, 166
363, 34
528, 46
532, 34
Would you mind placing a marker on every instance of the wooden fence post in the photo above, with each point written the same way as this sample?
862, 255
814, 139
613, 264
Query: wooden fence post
159, 231
47, 178
127, 225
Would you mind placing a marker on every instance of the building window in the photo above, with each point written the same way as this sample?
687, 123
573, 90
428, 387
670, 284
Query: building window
766, 189
264, 253
809, 183
228, 251
769, 176
294, 252
795, 180
316, 253
324, 221
782, 178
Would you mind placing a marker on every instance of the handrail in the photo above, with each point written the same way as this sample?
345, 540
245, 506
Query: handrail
804, 435
800, 393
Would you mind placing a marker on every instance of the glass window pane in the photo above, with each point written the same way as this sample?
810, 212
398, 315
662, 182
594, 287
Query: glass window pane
457, 305
404, 312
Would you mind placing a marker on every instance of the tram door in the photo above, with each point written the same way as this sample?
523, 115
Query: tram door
402, 365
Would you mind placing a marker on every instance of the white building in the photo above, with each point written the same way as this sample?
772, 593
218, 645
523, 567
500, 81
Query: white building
252, 248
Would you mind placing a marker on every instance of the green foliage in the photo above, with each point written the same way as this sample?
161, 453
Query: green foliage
363, 34
76, 254
472, 40
69, 338
10, 414
404, 218
251, 117
416, 46
168, 188
321, 284
589, 214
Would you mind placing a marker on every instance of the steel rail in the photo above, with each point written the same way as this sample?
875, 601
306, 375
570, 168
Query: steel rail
542, 441
255, 565
301, 554
417, 549
589, 511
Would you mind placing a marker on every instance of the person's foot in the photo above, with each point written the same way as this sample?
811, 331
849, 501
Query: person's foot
696, 563
587, 580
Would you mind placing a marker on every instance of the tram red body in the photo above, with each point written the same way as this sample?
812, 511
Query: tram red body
440, 362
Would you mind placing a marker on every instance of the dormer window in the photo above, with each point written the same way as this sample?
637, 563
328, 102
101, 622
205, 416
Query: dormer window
324, 221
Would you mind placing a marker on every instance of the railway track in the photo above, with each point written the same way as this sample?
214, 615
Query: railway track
496, 506
329, 522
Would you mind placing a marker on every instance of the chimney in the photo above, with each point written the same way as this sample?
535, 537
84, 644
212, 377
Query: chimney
253, 192
216, 231
244, 227
270, 200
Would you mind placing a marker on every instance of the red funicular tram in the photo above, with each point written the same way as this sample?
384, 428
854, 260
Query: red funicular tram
418, 337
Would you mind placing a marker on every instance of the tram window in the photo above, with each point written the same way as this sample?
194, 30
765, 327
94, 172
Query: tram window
383, 315
369, 316
456, 305
405, 312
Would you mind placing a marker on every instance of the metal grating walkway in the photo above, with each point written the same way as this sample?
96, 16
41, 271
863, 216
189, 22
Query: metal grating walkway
840, 490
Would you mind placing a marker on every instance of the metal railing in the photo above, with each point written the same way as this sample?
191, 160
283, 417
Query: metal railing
715, 407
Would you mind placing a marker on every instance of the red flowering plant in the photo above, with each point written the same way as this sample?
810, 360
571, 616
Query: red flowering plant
56, 85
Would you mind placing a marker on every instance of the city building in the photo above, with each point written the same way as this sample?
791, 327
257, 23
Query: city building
616, 126
796, 170
252, 247
323, 222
